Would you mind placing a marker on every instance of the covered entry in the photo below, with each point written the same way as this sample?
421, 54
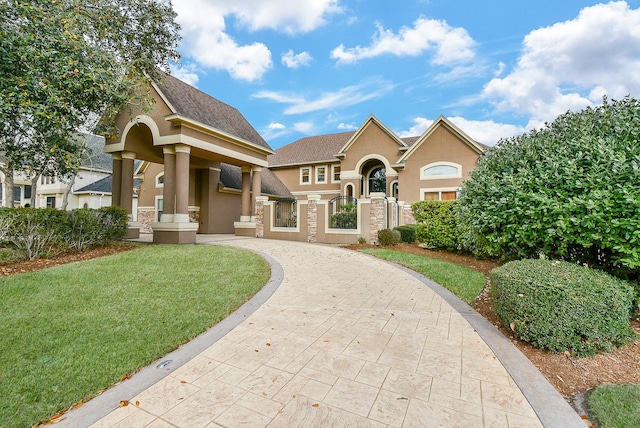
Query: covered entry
193, 135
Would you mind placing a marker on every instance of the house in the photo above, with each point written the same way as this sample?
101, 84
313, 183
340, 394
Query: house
204, 169
89, 188
374, 160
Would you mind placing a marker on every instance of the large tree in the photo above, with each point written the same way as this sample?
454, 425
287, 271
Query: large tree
569, 191
69, 65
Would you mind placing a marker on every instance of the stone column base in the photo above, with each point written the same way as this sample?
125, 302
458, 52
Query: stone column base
133, 230
174, 233
245, 228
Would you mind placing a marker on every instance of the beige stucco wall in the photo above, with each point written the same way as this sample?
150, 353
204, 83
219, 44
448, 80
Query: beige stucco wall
441, 146
290, 176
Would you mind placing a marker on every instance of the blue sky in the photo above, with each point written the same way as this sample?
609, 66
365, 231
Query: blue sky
496, 69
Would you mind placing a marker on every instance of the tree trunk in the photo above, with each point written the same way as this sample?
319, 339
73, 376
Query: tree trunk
34, 189
65, 196
8, 186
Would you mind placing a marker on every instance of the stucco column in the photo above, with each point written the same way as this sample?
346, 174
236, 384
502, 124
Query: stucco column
126, 187
256, 189
169, 186
182, 183
116, 183
245, 212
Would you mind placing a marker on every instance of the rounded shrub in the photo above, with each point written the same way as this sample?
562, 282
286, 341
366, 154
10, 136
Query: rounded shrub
407, 233
387, 237
562, 306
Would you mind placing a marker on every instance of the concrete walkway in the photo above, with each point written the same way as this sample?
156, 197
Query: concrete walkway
345, 340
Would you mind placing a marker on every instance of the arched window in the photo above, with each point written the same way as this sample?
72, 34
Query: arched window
378, 180
440, 170
348, 190
394, 190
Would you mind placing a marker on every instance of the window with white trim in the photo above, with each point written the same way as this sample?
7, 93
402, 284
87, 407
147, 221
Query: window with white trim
440, 196
335, 173
160, 180
305, 175
440, 170
321, 175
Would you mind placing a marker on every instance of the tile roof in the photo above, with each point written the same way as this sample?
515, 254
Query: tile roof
94, 157
231, 177
321, 148
194, 104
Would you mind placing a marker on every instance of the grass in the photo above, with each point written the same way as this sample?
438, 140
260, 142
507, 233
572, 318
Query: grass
615, 406
72, 330
462, 281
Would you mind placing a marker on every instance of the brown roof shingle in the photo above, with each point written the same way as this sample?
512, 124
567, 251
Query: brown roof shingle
231, 177
196, 105
321, 148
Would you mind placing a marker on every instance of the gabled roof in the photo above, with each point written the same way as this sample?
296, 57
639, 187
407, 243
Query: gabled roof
101, 186
442, 121
321, 148
188, 102
372, 119
94, 158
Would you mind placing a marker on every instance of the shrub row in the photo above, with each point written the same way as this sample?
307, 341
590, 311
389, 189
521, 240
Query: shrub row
44, 232
563, 306
407, 233
387, 237
437, 224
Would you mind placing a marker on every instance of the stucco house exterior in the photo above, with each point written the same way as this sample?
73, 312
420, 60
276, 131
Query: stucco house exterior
204, 169
373, 159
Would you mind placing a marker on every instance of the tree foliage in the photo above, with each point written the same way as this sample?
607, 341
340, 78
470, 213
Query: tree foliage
67, 64
569, 191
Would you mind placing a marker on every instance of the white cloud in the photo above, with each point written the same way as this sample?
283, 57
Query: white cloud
348, 96
304, 127
451, 45
186, 74
275, 125
571, 64
292, 60
347, 126
206, 40
484, 131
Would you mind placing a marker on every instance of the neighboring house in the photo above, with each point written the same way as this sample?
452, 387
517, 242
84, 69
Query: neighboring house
373, 159
90, 187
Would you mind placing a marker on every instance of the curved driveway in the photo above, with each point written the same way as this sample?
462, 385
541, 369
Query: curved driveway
345, 340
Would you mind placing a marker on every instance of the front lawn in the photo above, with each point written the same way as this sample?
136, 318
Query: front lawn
462, 281
615, 406
72, 330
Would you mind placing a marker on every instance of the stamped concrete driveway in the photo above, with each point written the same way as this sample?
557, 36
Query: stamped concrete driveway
345, 340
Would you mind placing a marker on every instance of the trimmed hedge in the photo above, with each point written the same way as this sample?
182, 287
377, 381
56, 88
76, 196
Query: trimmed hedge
43, 232
437, 224
562, 306
407, 233
387, 237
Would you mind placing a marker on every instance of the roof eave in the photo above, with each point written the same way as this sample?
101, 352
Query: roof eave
179, 120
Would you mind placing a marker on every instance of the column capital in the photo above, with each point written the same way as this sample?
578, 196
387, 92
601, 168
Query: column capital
128, 155
246, 169
168, 150
182, 148
257, 168
116, 155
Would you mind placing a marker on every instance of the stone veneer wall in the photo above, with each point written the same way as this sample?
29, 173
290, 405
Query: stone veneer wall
146, 218
312, 218
378, 216
408, 215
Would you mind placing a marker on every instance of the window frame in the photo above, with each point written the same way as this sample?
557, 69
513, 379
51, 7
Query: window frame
317, 174
457, 166
302, 175
333, 173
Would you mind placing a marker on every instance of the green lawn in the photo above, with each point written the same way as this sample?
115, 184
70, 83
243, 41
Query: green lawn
462, 281
615, 406
72, 330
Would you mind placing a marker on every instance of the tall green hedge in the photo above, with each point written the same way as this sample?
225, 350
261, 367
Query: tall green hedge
437, 224
570, 191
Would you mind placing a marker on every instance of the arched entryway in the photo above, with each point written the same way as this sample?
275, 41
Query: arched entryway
374, 177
